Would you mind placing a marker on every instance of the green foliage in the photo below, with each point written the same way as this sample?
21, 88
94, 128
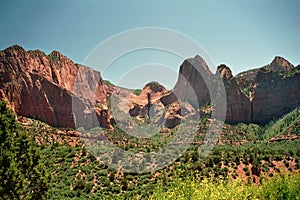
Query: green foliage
288, 124
77, 174
137, 92
21, 173
292, 72
278, 187
107, 82
53, 57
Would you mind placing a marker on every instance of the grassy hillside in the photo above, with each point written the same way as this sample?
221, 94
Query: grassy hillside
244, 154
288, 125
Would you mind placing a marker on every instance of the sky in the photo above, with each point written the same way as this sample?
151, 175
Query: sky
242, 34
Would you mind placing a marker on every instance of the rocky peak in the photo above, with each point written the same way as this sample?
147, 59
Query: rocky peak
43, 87
198, 63
151, 93
280, 64
153, 103
15, 51
196, 79
15, 48
275, 94
224, 71
193, 80
56, 56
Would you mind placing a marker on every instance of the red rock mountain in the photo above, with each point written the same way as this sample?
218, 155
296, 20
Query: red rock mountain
280, 64
42, 86
256, 96
152, 103
193, 82
238, 107
275, 94
195, 77
53, 89
273, 89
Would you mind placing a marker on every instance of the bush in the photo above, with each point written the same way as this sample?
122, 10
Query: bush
279, 187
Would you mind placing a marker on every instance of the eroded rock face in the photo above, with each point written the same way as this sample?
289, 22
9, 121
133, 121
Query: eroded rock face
43, 87
274, 96
150, 95
255, 96
53, 89
147, 104
193, 82
169, 98
280, 64
173, 117
274, 90
238, 107
160, 106
195, 76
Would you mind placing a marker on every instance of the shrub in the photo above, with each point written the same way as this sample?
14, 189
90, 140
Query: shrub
279, 187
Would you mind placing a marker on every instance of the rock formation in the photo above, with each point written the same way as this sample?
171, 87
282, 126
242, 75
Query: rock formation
255, 96
53, 89
238, 107
195, 77
275, 94
44, 87
280, 64
193, 82
152, 104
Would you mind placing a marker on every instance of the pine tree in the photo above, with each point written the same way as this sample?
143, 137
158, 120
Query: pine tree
22, 176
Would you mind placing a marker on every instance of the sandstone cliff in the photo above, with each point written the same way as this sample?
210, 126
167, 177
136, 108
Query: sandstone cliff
193, 82
255, 96
238, 108
277, 91
53, 89
195, 77
43, 86
273, 89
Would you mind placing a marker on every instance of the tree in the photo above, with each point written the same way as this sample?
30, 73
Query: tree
22, 176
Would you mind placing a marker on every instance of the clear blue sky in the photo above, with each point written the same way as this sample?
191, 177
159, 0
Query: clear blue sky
242, 34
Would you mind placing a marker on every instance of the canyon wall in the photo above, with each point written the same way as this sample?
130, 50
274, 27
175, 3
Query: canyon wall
52, 88
255, 96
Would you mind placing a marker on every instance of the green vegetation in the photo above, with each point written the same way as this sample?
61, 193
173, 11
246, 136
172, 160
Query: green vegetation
292, 72
243, 164
79, 174
155, 86
53, 57
137, 92
287, 125
278, 187
107, 82
22, 174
